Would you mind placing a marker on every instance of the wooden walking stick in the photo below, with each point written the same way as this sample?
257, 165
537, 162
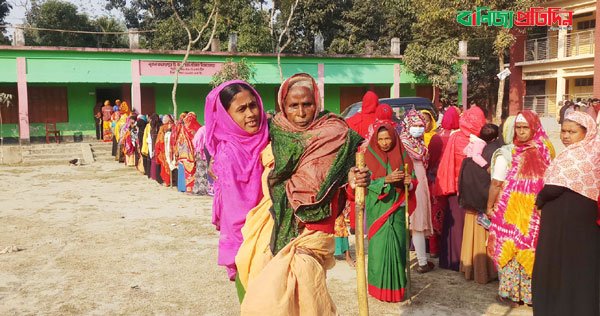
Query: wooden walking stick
361, 280
407, 292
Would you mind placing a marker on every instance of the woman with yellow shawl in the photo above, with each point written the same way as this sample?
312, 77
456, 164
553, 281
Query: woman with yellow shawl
430, 126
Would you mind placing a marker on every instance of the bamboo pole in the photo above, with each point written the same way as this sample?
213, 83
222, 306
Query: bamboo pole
407, 220
363, 303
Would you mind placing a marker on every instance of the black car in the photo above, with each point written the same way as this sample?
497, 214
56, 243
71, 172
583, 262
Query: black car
399, 105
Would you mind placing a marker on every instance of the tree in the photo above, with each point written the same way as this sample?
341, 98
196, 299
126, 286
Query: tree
245, 17
56, 14
241, 70
108, 24
214, 15
373, 24
436, 32
311, 17
433, 52
5, 8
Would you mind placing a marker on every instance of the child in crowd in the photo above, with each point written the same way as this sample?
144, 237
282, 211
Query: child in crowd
489, 133
476, 144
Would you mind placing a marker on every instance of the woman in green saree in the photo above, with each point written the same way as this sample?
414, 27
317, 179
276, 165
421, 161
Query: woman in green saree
385, 207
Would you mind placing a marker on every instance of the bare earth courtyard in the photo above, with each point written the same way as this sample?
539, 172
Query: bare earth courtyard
102, 239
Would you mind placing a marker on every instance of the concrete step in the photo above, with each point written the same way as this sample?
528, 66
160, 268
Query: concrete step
54, 145
56, 153
102, 151
28, 152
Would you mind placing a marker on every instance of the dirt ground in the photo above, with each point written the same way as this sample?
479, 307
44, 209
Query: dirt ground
101, 239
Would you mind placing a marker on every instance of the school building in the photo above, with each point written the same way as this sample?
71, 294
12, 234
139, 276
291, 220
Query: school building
558, 65
65, 83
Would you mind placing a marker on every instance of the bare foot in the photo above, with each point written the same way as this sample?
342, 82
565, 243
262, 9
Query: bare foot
349, 260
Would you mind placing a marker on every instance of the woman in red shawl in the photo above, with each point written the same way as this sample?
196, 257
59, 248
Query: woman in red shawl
361, 121
184, 149
471, 122
385, 207
439, 203
383, 113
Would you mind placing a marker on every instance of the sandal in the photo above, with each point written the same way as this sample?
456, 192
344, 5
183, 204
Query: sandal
426, 268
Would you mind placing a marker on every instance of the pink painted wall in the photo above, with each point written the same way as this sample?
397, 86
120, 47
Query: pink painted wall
23, 101
136, 91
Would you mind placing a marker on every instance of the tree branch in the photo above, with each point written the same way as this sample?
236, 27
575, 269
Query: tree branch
191, 41
289, 39
212, 34
212, 13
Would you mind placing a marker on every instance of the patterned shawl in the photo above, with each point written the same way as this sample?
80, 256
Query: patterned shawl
414, 146
516, 222
578, 167
311, 163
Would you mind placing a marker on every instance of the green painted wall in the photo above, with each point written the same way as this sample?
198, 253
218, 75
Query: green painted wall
77, 70
407, 90
268, 94
189, 98
332, 98
8, 70
84, 70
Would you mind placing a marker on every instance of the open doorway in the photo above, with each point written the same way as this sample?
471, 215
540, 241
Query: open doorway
110, 94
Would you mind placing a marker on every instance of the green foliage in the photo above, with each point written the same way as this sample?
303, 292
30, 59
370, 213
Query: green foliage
170, 35
373, 23
56, 14
243, 17
4, 10
231, 70
436, 34
311, 17
435, 62
108, 24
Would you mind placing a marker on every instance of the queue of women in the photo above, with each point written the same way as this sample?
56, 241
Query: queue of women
491, 202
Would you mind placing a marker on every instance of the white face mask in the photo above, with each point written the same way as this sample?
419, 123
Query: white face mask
416, 131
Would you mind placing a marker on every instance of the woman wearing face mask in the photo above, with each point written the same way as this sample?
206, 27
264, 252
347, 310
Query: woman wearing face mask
566, 274
413, 127
515, 220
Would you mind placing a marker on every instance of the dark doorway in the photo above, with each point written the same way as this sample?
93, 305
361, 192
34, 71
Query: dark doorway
111, 94
148, 101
